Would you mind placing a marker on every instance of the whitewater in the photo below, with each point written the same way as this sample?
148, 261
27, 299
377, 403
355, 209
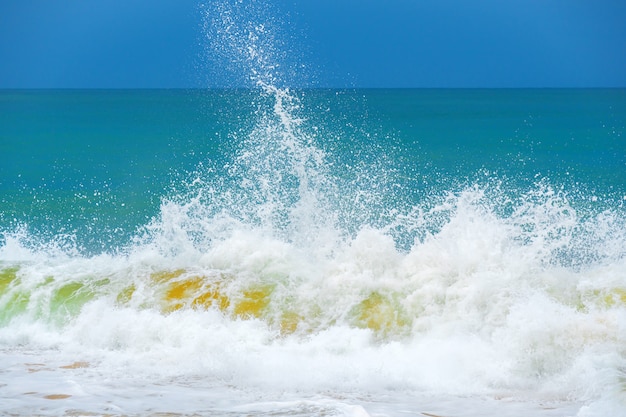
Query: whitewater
285, 282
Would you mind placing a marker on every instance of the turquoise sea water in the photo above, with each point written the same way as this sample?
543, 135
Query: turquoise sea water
313, 252
97, 163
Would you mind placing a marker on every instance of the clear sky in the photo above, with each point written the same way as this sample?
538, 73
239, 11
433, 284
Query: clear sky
342, 43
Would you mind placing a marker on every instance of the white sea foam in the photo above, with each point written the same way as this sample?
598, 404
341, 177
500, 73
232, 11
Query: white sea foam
259, 293
484, 305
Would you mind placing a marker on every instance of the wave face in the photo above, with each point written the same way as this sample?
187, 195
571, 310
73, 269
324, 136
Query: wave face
316, 267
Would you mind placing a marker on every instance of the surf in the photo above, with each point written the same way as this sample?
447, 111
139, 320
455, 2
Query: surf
281, 273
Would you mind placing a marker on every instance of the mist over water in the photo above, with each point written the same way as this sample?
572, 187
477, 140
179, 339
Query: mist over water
301, 272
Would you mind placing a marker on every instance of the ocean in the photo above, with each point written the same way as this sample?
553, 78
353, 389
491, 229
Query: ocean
272, 251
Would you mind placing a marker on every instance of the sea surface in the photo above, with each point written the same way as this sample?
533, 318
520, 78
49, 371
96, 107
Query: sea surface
313, 252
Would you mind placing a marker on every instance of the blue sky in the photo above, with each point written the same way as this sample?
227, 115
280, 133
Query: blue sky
339, 43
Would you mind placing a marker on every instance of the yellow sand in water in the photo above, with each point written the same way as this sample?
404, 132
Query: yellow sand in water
211, 296
379, 313
178, 289
179, 293
36, 367
289, 322
56, 396
194, 291
197, 291
76, 365
615, 296
605, 298
166, 276
14, 300
7, 276
253, 302
126, 294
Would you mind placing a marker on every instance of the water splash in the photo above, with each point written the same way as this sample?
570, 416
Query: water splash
246, 39
263, 273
